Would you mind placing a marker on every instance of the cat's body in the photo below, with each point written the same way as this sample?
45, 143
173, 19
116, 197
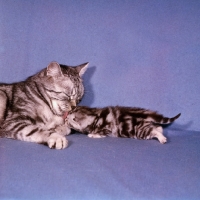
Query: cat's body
33, 110
118, 121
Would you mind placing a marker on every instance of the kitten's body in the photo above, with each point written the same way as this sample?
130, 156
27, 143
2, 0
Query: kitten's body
33, 110
118, 122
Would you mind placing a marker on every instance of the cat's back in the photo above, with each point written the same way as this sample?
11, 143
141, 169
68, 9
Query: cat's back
6, 89
16, 89
5, 86
22, 99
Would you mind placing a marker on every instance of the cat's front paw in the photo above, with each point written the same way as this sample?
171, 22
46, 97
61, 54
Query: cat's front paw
57, 142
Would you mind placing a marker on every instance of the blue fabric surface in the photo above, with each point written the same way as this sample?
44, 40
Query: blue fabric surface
107, 168
141, 53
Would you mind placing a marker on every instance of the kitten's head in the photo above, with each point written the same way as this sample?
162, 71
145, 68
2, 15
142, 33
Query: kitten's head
80, 118
62, 86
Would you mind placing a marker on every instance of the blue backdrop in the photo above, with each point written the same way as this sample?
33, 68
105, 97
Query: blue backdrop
141, 53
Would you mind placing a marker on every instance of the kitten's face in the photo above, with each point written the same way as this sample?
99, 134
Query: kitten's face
63, 86
78, 120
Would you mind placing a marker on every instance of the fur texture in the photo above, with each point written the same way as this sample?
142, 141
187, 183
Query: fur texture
118, 121
33, 110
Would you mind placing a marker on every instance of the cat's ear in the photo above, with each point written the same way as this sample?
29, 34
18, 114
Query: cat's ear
82, 68
54, 70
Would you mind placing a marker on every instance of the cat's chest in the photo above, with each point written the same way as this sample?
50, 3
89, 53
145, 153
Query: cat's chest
50, 120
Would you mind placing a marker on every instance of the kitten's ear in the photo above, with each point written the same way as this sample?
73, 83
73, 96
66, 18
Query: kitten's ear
82, 68
54, 69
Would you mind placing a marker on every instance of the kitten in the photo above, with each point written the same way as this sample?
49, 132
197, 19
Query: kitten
118, 121
33, 110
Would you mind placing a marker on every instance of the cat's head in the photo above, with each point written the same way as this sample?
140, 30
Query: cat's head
62, 86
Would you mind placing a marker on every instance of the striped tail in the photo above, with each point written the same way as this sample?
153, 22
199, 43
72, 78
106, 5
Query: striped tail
165, 120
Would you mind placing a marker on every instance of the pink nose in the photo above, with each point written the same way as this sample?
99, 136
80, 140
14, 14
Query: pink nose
73, 104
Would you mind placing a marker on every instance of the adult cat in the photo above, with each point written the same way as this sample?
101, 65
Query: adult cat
32, 110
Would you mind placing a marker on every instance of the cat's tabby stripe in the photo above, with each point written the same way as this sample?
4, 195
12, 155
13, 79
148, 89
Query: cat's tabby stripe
32, 110
32, 132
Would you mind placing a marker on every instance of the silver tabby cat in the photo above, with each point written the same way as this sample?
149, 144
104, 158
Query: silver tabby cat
33, 110
118, 121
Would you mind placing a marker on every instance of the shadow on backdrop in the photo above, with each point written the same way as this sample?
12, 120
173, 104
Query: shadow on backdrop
178, 127
88, 97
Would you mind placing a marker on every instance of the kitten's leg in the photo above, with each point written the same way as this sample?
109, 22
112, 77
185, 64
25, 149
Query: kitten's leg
93, 135
3, 102
100, 134
157, 132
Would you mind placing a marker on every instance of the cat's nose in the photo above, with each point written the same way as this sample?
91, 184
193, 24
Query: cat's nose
73, 107
73, 104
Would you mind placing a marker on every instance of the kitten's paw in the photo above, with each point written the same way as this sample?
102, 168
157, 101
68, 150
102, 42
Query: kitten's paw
95, 135
57, 142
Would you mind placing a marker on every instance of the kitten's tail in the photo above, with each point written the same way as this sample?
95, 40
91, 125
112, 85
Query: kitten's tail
164, 120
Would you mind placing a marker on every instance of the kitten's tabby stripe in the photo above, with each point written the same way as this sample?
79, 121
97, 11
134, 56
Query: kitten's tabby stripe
118, 122
146, 129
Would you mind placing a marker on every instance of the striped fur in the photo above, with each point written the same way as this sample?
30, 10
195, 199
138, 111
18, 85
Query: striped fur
118, 121
33, 110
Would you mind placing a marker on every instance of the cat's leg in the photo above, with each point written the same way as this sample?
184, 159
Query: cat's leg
31, 133
63, 129
51, 138
57, 141
54, 140
157, 132
3, 102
